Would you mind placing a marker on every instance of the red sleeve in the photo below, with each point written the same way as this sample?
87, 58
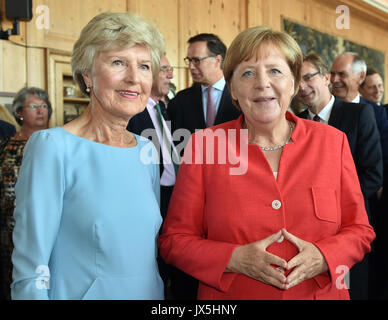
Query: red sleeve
183, 241
355, 234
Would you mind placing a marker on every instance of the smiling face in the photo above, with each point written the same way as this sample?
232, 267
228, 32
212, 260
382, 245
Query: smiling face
263, 85
314, 90
121, 81
373, 88
345, 82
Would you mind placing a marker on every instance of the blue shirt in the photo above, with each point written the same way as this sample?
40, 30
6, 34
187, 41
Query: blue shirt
87, 220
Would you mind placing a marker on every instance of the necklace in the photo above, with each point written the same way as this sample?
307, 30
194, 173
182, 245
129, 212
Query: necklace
282, 145
21, 136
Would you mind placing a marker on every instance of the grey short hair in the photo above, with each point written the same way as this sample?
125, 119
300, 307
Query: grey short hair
358, 64
109, 30
22, 96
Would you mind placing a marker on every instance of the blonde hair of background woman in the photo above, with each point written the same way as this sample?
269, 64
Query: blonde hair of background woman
8, 117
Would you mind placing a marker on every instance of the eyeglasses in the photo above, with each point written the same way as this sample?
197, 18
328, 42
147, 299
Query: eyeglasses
308, 77
197, 61
167, 69
34, 106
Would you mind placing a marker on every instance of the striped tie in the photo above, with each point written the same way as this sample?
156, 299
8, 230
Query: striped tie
166, 141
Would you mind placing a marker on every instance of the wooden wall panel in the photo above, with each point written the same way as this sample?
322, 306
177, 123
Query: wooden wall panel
13, 73
225, 18
36, 68
67, 18
178, 20
164, 15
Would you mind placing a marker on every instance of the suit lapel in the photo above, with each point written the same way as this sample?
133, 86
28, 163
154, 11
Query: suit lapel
140, 122
304, 114
336, 113
197, 116
221, 107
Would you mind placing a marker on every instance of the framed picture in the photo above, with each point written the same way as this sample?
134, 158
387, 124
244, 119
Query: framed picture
329, 46
6, 99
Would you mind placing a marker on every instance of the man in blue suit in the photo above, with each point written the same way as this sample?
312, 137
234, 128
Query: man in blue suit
372, 88
348, 72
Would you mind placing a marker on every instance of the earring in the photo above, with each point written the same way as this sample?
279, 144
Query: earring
87, 88
21, 118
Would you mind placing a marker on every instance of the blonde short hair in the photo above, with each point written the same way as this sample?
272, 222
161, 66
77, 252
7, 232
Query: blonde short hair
108, 31
248, 42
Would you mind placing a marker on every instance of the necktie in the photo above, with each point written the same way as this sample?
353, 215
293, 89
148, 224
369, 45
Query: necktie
165, 139
210, 108
317, 118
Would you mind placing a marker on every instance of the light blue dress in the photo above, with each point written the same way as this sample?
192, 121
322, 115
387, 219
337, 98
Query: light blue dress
86, 220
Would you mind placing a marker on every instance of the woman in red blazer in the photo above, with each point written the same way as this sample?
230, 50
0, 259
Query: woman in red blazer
274, 211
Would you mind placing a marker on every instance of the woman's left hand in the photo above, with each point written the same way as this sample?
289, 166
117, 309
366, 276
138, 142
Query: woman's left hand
308, 263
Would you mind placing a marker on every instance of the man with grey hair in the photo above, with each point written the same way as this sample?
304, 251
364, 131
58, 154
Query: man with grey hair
348, 72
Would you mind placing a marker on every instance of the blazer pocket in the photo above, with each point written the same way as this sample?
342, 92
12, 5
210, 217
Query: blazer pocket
325, 203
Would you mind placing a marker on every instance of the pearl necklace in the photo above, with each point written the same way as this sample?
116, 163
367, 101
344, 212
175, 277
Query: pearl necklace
282, 145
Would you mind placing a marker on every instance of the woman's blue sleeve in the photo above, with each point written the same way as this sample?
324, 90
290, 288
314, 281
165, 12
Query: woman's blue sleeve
39, 200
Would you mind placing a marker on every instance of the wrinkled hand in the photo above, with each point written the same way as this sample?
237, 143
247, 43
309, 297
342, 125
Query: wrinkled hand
308, 263
254, 261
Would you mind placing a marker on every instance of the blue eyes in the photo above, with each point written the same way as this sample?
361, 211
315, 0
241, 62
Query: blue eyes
120, 63
250, 73
145, 67
247, 74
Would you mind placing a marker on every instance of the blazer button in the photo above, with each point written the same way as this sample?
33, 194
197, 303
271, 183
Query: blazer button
276, 204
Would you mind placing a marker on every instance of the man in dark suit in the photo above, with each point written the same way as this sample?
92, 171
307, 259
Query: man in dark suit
358, 122
208, 101
348, 72
6, 129
160, 133
178, 285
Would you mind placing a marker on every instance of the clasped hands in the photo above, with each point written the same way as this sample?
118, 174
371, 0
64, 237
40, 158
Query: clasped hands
254, 261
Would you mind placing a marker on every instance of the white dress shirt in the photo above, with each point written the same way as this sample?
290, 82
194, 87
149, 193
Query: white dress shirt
356, 99
168, 175
325, 113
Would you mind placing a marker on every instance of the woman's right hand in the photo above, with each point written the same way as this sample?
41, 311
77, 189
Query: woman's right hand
254, 261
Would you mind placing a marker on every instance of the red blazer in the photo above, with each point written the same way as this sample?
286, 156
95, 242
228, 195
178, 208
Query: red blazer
316, 197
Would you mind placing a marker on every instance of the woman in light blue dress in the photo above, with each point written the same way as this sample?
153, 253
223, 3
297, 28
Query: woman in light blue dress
87, 198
